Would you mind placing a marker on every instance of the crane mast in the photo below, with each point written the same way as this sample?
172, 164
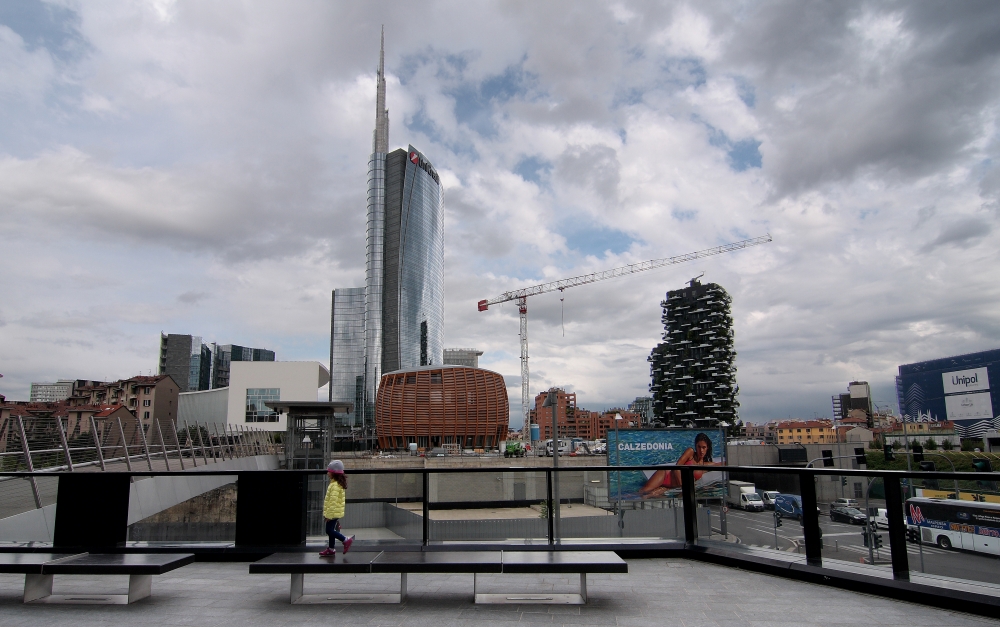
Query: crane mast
521, 295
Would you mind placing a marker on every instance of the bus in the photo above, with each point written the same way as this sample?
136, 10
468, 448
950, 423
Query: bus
950, 524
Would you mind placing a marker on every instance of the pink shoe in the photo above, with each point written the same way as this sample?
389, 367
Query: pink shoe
328, 552
347, 544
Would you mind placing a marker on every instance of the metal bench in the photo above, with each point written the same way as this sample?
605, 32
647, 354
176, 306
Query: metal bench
297, 565
39, 569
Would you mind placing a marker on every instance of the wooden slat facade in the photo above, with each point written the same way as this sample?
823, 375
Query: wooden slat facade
433, 407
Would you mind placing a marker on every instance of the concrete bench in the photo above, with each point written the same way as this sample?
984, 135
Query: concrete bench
297, 565
39, 569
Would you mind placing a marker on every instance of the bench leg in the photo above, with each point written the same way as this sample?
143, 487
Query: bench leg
139, 587
402, 587
583, 586
298, 582
37, 587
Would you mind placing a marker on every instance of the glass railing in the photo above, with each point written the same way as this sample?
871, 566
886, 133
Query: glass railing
886, 524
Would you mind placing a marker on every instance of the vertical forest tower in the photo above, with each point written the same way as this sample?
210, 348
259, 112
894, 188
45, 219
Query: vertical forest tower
693, 375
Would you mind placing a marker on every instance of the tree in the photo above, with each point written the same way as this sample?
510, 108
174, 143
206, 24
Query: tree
931, 444
947, 445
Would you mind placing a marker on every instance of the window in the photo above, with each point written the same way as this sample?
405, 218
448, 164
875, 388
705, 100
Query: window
257, 411
146, 390
147, 402
145, 415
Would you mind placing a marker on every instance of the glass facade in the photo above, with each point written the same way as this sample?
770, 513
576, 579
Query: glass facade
374, 268
347, 350
257, 411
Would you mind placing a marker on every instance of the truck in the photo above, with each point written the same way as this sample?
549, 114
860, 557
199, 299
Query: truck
743, 494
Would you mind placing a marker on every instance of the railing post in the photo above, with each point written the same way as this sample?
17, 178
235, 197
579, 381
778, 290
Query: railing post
810, 520
128, 457
177, 441
897, 527
201, 442
145, 445
97, 441
548, 507
163, 445
190, 441
690, 506
65, 444
31, 465
427, 505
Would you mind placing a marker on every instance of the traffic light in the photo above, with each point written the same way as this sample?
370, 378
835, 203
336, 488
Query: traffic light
859, 456
931, 484
888, 453
777, 519
843, 481
878, 540
918, 453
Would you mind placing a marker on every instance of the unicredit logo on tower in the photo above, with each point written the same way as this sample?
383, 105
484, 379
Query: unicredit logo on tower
966, 381
416, 160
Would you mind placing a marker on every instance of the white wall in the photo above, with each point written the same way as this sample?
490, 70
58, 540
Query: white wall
297, 380
202, 407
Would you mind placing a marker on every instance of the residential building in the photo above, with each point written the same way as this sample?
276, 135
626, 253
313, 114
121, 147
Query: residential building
404, 266
252, 384
692, 371
643, 406
805, 432
955, 389
855, 404
347, 351
576, 422
442, 406
919, 432
468, 357
150, 398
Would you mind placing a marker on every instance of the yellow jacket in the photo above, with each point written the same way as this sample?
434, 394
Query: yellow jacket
335, 501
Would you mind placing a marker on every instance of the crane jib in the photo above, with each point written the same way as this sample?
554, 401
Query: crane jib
641, 266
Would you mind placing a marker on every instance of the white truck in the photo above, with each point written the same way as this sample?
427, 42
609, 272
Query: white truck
743, 494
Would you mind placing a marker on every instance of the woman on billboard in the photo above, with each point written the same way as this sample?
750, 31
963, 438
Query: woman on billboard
663, 480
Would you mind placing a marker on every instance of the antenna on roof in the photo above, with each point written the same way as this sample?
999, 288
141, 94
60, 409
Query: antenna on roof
695, 281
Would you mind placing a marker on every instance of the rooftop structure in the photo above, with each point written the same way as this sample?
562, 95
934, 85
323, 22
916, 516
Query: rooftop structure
468, 357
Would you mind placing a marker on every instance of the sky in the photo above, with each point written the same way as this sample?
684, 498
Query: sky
201, 168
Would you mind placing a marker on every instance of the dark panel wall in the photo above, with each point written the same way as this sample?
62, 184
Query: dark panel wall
395, 175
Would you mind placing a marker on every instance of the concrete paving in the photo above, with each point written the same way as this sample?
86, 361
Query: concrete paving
656, 592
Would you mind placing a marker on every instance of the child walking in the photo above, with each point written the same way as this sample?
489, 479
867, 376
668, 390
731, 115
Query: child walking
333, 507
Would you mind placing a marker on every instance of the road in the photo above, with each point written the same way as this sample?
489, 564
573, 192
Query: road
845, 542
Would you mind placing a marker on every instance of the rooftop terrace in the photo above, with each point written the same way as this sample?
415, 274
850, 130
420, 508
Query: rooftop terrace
660, 592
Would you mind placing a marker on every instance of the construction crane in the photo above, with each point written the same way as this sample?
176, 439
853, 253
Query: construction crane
521, 295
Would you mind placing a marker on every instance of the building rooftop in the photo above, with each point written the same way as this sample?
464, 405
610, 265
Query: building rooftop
656, 592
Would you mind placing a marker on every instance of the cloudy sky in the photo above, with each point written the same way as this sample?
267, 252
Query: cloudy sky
200, 167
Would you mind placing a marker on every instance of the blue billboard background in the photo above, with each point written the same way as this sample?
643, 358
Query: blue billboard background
654, 447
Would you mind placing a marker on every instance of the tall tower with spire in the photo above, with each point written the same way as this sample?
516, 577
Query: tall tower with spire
404, 270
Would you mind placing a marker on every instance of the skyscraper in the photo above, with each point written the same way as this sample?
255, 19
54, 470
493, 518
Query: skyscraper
693, 376
347, 350
404, 269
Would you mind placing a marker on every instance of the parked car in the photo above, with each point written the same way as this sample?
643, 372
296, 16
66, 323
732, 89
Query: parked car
844, 503
850, 515
768, 497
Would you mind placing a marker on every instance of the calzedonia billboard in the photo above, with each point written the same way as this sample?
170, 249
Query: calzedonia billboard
655, 447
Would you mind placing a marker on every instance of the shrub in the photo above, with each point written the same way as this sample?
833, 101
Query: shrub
947, 445
930, 444
971, 444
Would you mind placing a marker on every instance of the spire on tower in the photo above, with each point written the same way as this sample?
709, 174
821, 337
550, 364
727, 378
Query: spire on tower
380, 141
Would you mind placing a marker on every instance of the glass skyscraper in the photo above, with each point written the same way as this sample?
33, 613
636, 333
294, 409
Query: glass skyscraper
404, 270
347, 350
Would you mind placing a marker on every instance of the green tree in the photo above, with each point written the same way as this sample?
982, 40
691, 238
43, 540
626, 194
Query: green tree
931, 444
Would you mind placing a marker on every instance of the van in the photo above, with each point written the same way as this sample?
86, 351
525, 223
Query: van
878, 517
768, 497
789, 505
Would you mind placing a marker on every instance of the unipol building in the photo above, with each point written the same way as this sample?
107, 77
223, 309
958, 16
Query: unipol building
952, 388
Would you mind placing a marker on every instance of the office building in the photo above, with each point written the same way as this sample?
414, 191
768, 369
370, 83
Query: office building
404, 265
692, 371
186, 360
347, 350
468, 357
442, 406
254, 384
224, 354
855, 405
952, 388
51, 392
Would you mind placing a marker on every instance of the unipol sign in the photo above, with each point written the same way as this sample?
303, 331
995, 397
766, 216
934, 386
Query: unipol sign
965, 381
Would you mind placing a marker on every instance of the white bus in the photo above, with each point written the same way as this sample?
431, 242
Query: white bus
951, 524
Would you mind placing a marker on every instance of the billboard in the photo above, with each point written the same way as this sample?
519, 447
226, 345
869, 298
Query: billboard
654, 447
974, 380
976, 406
